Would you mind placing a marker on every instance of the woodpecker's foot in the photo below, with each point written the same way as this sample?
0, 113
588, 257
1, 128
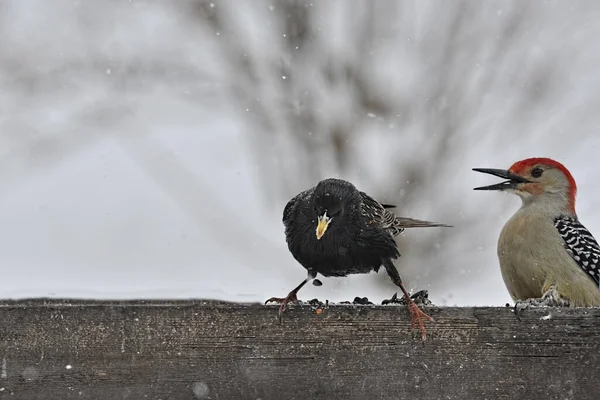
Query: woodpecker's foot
417, 316
291, 298
551, 298
520, 306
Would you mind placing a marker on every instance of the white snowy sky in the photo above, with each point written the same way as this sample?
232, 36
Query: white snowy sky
137, 159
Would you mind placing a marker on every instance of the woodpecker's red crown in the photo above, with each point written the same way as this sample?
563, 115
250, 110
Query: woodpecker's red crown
533, 178
525, 168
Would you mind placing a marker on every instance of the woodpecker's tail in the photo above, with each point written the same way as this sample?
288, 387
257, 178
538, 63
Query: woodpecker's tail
403, 222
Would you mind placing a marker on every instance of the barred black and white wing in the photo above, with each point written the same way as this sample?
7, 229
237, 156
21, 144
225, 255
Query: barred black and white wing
376, 213
581, 245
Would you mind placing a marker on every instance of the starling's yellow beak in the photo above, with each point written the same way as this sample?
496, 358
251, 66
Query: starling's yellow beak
322, 225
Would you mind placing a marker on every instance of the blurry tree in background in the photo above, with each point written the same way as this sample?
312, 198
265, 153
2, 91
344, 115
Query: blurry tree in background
389, 94
402, 98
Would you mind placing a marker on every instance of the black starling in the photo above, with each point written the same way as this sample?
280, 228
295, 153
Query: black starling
333, 229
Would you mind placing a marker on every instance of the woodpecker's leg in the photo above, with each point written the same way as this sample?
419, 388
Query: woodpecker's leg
292, 296
416, 314
550, 298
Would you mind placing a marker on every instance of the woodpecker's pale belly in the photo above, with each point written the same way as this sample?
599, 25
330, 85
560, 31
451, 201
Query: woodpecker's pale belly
533, 258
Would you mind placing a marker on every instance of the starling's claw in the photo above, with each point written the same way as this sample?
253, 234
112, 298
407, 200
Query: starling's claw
417, 318
275, 300
291, 298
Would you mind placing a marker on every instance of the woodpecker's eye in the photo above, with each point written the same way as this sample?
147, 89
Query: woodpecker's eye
537, 172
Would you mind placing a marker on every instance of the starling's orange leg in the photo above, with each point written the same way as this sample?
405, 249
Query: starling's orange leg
291, 297
416, 315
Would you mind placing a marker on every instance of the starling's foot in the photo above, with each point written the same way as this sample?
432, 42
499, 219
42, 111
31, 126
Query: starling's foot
291, 298
417, 317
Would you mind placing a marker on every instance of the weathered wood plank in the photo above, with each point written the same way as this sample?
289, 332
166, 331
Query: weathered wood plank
209, 350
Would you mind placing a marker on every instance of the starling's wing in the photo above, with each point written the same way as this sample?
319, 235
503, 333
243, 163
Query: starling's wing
581, 245
375, 213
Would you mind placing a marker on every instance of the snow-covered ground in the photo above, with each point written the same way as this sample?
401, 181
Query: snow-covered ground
147, 149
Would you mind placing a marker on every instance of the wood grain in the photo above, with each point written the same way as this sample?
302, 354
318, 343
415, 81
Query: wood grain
211, 350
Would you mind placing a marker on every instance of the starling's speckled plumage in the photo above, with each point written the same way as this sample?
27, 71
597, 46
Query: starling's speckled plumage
333, 229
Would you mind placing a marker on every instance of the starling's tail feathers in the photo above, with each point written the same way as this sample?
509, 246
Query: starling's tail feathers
403, 222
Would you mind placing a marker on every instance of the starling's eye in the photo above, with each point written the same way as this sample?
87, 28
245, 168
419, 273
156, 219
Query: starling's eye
537, 172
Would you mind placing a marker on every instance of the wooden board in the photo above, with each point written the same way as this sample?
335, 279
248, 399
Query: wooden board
53, 349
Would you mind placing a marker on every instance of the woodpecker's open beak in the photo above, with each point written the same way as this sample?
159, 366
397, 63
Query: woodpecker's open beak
513, 179
322, 225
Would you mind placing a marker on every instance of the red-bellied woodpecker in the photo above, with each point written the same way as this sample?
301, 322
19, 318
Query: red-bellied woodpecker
547, 257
